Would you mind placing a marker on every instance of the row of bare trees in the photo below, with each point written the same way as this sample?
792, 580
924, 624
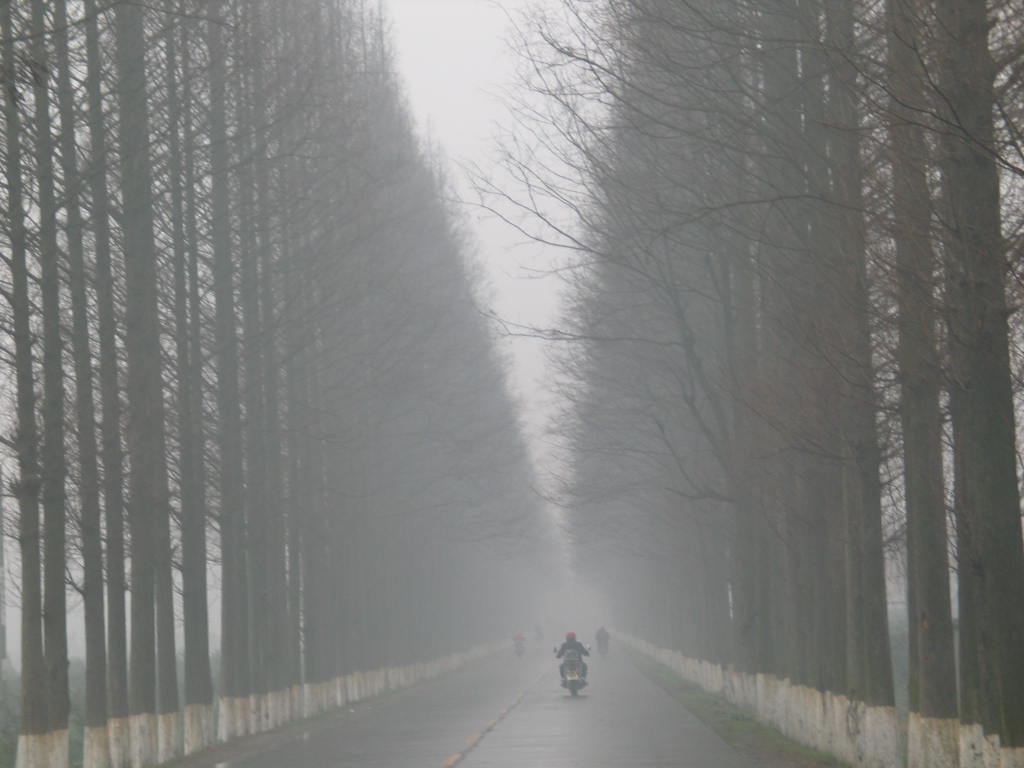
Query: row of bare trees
253, 401
793, 339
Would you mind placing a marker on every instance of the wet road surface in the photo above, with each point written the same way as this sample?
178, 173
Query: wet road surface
500, 712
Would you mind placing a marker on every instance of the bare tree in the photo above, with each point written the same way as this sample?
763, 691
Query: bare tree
988, 503
932, 675
33, 747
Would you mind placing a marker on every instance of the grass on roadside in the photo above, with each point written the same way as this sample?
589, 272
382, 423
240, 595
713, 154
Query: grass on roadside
734, 726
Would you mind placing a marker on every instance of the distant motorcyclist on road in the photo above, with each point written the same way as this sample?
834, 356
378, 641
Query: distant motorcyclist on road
602, 637
572, 644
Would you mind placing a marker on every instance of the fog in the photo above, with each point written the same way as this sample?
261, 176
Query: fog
459, 382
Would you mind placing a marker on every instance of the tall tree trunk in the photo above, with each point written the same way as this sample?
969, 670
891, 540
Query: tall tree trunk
53, 466
263, 432
933, 694
870, 667
281, 679
285, 201
145, 398
247, 83
752, 592
198, 716
260, 607
110, 426
989, 526
234, 618
96, 749
34, 721
834, 550
168, 706
315, 529
281, 672
795, 476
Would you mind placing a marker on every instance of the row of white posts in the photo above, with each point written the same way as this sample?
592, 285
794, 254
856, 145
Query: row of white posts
149, 739
852, 732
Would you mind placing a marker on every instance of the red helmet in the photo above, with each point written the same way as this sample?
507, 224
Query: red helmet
570, 635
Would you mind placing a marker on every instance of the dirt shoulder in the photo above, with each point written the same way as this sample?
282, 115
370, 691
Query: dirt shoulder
734, 726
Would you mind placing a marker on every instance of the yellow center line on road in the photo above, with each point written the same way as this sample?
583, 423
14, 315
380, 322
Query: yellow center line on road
476, 738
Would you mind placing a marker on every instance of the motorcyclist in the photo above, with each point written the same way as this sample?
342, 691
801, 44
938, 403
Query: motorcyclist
602, 637
572, 644
519, 643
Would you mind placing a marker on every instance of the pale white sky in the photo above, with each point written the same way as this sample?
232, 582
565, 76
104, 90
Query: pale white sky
451, 54
455, 62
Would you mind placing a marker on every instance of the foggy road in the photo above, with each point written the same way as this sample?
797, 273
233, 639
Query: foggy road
500, 713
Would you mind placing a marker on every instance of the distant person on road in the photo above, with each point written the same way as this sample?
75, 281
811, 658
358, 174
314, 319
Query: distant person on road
572, 644
602, 638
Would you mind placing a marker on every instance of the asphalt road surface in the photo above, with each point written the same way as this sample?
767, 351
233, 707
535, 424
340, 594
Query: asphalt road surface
499, 712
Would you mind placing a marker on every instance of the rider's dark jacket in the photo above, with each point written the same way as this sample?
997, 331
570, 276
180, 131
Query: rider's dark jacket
572, 645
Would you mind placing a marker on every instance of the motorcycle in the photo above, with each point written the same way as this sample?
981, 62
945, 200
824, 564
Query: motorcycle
574, 678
